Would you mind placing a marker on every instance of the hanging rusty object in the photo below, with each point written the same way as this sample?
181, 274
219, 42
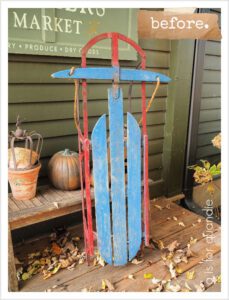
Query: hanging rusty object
24, 162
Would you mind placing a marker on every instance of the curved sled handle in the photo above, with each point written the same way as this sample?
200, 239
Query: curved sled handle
114, 36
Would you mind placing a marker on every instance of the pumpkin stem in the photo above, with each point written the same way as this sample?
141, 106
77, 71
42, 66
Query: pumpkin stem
67, 152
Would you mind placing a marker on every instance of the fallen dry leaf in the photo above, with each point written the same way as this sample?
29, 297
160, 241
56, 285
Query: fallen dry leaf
158, 206
181, 224
187, 286
131, 276
56, 204
56, 249
107, 284
148, 275
25, 276
190, 275
72, 267
172, 246
156, 280
172, 270
160, 244
179, 270
192, 241
201, 287
218, 279
158, 288
173, 288
190, 253
56, 269
46, 276
76, 239
137, 262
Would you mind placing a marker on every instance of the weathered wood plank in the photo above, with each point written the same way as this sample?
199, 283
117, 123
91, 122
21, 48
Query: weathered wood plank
172, 226
214, 288
12, 276
162, 272
133, 186
213, 48
12, 206
118, 275
91, 277
210, 103
101, 186
29, 204
205, 139
211, 76
211, 90
196, 232
116, 126
203, 272
36, 202
212, 62
206, 151
209, 127
51, 212
48, 203
210, 115
19, 203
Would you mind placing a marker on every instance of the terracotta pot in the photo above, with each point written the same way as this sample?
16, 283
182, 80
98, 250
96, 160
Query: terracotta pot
22, 156
24, 183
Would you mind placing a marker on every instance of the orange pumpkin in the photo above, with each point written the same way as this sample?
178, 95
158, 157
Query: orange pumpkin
63, 170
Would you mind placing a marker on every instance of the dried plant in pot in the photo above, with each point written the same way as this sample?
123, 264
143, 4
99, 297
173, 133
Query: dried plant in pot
23, 162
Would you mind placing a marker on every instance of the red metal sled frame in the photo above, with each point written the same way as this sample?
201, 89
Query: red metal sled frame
84, 143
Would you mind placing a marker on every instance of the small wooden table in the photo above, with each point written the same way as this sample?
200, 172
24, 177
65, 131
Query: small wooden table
49, 203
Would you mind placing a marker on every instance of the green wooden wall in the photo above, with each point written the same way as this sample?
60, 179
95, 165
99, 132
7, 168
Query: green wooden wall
46, 104
210, 102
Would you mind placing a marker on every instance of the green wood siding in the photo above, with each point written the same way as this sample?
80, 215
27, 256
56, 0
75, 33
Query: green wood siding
46, 104
210, 105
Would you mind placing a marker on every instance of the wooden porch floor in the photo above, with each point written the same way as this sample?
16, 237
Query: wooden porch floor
170, 222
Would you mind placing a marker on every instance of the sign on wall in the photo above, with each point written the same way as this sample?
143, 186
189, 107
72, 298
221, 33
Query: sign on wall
64, 31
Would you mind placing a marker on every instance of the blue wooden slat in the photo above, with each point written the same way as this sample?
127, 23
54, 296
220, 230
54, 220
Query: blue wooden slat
134, 185
108, 73
117, 177
101, 189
